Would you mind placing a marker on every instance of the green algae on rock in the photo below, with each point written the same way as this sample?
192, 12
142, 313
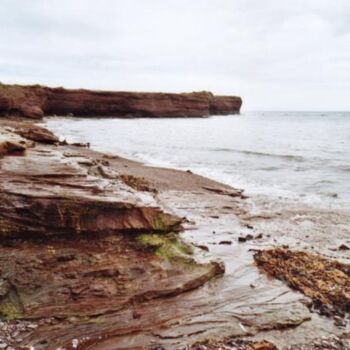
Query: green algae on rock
168, 246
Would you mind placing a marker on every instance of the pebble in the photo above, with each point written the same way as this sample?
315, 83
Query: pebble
245, 238
32, 326
10, 333
75, 343
225, 242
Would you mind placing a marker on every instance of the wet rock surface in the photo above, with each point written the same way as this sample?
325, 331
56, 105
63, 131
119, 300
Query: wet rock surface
80, 247
47, 193
128, 279
37, 101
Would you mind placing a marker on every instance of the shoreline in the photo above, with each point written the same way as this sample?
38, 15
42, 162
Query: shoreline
217, 216
285, 172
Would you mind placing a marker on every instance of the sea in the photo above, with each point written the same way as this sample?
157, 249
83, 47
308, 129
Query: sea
302, 156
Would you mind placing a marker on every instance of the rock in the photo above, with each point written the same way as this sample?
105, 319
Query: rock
5, 104
37, 134
37, 101
343, 247
224, 192
246, 238
249, 237
11, 143
33, 112
225, 242
82, 248
202, 246
48, 193
81, 144
10, 147
26, 101
249, 226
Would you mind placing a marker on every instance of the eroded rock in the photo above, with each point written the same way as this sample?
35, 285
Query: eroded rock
36, 133
47, 193
81, 248
37, 101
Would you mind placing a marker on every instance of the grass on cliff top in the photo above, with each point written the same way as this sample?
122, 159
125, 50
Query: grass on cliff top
14, 91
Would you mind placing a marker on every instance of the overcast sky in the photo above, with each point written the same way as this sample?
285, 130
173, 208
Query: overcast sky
278, 55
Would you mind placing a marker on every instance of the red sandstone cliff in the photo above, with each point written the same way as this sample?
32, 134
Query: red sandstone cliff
37, 101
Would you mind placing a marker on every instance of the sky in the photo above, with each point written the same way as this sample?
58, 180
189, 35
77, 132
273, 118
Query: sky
277, 55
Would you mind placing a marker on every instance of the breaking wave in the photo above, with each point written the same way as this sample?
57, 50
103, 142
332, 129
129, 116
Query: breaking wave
291, 157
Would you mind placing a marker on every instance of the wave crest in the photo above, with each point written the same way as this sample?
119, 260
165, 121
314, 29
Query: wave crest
291, 157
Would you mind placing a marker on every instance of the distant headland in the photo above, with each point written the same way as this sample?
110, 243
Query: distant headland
36, 101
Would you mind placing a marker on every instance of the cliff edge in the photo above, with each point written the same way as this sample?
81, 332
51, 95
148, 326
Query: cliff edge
38, 101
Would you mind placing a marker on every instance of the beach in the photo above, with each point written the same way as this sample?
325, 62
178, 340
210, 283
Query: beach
174, 175
213, 291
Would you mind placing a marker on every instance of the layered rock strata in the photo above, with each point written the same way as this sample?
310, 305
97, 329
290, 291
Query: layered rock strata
77, 242
38, 101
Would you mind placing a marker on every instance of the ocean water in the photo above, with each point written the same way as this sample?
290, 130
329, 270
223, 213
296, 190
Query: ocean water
300, 155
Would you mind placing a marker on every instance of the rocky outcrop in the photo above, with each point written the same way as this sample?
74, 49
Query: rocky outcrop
47, 193
37, 134
36, 102
26, 101
80, 243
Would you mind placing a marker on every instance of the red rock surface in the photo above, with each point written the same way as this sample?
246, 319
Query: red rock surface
36, 101
78, 244
46, 192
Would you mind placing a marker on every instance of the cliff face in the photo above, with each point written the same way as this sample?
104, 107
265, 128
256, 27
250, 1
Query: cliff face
36, 102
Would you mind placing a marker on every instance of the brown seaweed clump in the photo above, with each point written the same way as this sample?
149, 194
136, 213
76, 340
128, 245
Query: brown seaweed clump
325, 281
137, 183
238, 344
